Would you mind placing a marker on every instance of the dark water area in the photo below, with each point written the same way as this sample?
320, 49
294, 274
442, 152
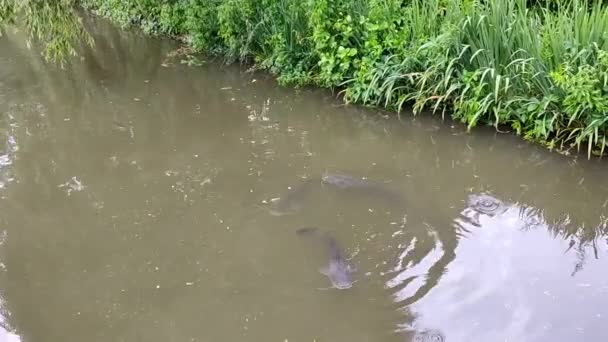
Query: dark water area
143, 199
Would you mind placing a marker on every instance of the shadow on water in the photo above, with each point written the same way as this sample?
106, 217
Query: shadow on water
146, 200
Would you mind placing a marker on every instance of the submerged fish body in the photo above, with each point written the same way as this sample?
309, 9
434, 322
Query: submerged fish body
363, 187
338, 270
293, 200
343, 181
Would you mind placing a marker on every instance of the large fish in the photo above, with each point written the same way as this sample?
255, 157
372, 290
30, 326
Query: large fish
338, 270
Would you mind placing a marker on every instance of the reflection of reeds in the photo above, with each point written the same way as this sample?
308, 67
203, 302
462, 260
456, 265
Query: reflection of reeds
582, 234
583, 239
531, 217
420, 266
579, 236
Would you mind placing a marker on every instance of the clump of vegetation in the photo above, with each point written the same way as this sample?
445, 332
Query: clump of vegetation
53, 22
538, 67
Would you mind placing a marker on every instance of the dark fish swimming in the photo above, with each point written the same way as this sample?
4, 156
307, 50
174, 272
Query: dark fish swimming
362, 187
338, 270
293, 200
344, 181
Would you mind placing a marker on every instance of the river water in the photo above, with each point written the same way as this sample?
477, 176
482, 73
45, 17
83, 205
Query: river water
142, 200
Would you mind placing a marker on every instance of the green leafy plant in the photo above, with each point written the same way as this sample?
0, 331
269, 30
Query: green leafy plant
537, 67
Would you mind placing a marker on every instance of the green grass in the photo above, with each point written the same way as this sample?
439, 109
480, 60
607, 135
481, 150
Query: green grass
53, 22
537, 67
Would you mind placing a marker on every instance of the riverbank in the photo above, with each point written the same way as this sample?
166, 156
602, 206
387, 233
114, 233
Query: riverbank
540, 70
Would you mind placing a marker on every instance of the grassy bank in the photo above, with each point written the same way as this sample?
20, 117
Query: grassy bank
537, 67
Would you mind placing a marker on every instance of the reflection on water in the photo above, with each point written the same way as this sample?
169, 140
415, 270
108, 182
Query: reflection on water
146, 200
7, 158
9, 152
503, 286
7, 332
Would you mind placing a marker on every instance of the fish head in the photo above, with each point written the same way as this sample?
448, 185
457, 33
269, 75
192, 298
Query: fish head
340, 276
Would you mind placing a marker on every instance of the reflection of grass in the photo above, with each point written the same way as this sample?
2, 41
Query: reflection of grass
53, 22
584, 239
580, 237
562, 226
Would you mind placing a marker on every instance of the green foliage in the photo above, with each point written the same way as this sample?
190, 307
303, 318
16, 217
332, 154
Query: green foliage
201, 25
583, 86
172, 18
539, 67
8, 11
283, 41
53, 22
338, 36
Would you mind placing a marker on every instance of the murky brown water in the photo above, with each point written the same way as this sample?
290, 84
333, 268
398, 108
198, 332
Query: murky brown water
137, 205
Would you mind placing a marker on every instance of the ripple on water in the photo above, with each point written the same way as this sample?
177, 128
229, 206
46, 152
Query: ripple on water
485, 204
7, 333
428, 336
511, 278
6, 160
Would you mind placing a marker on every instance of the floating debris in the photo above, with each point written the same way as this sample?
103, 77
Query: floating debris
5, 160
170, 173
72, 185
